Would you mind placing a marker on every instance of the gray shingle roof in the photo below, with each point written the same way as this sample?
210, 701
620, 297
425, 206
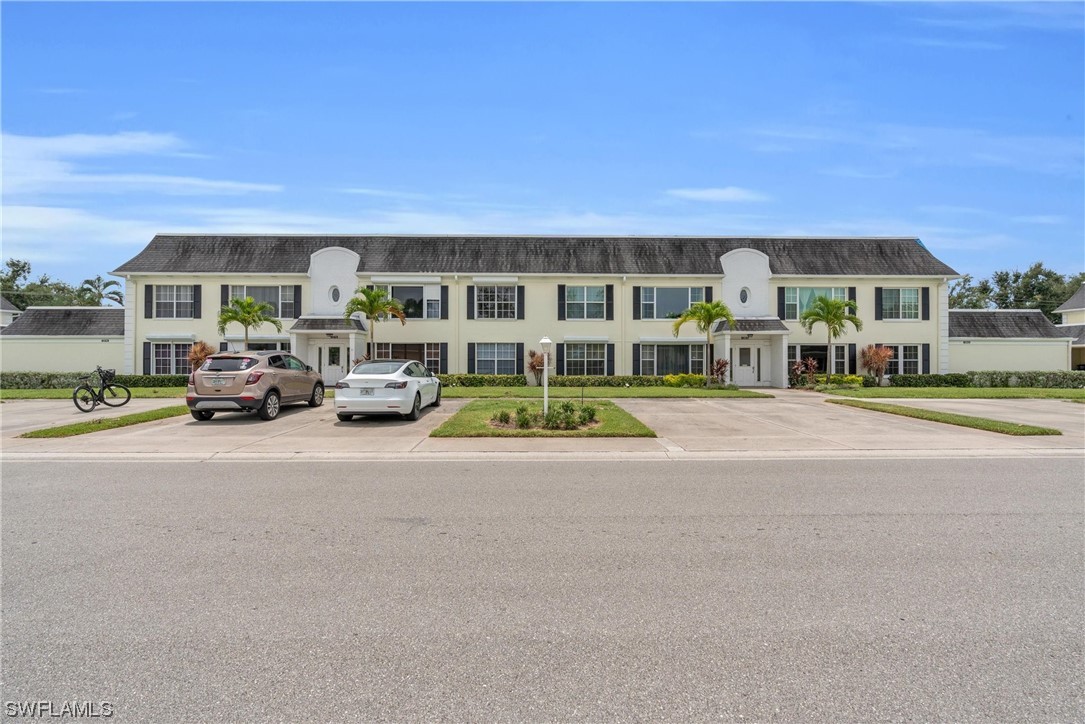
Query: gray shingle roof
7, 306
1077, 331
1002, 323
327, 324
1075, 302
542, 254
68, 321
751, 324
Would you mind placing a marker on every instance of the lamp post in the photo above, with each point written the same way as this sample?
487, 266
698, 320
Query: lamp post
545, 344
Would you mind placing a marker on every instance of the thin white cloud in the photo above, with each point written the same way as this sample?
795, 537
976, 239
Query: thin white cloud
1001, 16
725, 194
385, 194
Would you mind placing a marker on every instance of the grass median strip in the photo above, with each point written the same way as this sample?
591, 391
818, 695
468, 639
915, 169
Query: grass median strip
964, 393
474, 420
66, 393
109, 423
949, 418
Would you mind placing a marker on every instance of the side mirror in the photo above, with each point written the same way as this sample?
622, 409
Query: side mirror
308, 368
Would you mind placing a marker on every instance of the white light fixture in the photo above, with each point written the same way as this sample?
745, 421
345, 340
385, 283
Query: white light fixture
545, 344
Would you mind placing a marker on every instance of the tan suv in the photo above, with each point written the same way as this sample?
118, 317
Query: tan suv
252, 381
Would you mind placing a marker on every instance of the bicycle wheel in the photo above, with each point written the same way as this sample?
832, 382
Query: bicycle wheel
116, 395
84, 398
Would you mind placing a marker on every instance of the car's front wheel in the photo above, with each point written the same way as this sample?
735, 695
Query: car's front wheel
269, 409
203, 415
416, 409
317, 398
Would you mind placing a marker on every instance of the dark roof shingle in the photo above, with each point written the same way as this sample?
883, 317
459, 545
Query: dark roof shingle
7, 306
1075, 302
1077, 331
327, 324
68, 322
1003, 324
539, 254
751, 324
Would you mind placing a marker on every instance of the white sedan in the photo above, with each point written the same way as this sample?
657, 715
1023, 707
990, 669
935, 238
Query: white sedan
386, 387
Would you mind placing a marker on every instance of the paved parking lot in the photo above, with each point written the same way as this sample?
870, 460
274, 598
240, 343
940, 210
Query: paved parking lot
792, 424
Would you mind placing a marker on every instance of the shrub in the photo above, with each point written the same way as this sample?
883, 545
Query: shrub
1066, 379
501, 417
587, 414
839, 380
62, 380
481, 380
684, 380
199, 352
950, 380
876, 360
719, 371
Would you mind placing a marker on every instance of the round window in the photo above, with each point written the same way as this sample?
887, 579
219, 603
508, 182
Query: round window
744, 296
335, 294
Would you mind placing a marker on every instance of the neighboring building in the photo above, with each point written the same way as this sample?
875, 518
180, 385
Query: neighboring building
64, 339
478, 304
1073, 324
8, 312
1006, 339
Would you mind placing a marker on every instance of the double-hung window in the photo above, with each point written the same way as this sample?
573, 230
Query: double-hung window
905, 359
672, 359
495, 302
585, 359
585, 302
281, 298
171, 358
900, 303
495, 358
419, 302
798, 299
668, 302
173, 301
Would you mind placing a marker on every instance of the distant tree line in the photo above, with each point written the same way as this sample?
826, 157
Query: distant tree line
17, 287
1036, 288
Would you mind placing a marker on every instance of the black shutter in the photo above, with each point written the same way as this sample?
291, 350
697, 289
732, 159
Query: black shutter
877, 303
297, 301
520, 357
852, 368
610, 360
471, 311
224, 346
147, 369
444, 301
225, 295
520, 303
561, 302
197, 301
559, 361
148, 301
444, 357
636, 303
926, 359
610, 302
852, 294
636, 359
470, 355
708, 362
925, 303
781, 308
708, 294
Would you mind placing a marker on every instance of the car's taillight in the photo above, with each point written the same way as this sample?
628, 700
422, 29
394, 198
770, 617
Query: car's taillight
192, 378
253, 377
341, 385
397, 385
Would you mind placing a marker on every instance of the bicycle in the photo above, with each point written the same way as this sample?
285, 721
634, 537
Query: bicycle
108, 393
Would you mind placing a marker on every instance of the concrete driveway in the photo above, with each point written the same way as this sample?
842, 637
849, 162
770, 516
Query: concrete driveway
793, 424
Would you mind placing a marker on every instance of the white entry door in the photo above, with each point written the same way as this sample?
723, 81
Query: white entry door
748, 360
331, 362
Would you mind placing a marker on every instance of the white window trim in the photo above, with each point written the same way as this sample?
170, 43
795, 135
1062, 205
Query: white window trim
281, 288
495, 318
655, 302
192, 299
586, 303
919, 306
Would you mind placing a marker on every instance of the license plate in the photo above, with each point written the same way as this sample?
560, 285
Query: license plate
218, 381
366, 391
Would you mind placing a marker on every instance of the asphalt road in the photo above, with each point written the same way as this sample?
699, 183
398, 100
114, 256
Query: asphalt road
811, 590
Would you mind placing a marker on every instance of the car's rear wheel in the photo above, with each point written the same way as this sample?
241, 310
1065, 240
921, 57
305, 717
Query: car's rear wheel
317, 398
203, 415
344, 417
269, 409
416, 409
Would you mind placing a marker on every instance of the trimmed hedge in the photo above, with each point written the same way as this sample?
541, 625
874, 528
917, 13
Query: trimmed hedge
558, 380
1070, 379
483, 380
63, 380
684, 380
956, 379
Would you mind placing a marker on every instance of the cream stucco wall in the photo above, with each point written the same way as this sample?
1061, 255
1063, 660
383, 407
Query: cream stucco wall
1076, 316
61, 354
1024, 355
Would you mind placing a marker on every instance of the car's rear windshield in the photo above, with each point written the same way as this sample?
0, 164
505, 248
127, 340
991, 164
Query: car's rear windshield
377, 368
228, 364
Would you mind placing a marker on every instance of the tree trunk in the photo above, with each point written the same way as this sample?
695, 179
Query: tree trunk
829, 361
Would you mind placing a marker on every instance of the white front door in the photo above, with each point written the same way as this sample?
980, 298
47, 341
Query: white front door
748, 359
331, 362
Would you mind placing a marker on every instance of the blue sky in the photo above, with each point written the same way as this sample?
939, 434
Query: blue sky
961, 124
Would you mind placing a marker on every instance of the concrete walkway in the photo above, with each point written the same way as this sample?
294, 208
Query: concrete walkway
794, 424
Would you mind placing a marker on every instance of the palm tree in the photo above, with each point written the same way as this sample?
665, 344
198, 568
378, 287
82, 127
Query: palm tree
835, 315
374, 304
248, 313
94, 291
705, 315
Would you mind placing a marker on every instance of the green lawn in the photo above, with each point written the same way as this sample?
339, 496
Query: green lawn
474, 421
66, 394
963, 393
108, 423
949, 418
592, 392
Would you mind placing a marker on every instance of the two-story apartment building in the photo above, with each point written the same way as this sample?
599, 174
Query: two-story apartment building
479, 303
